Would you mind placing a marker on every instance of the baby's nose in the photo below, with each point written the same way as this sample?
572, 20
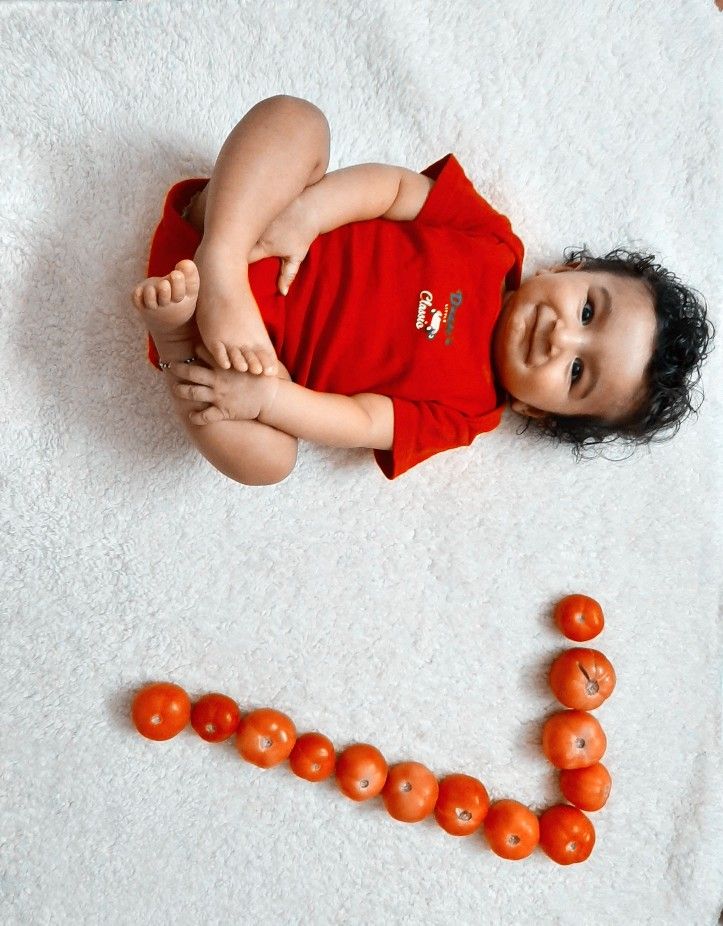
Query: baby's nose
561, 339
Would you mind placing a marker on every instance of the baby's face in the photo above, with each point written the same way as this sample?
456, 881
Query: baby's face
575, 342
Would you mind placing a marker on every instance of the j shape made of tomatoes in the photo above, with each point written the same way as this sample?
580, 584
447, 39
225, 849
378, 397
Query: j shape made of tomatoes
573, 740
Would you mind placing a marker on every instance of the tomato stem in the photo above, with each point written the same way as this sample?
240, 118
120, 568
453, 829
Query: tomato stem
591, 686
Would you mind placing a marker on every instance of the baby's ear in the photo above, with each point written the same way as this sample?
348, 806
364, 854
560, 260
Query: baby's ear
529, 411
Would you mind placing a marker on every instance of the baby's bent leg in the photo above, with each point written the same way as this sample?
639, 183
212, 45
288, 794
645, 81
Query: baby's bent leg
246, 451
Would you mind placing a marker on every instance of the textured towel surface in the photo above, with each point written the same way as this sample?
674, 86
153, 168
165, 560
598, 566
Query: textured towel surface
413, 615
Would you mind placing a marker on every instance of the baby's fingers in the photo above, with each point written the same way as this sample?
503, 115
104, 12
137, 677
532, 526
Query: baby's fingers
192, 372
207, 416
289, 269
193, 392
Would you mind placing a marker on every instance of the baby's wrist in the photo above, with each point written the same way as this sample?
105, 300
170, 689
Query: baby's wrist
266, 411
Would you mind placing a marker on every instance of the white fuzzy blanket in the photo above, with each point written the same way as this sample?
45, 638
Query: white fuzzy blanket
415, 614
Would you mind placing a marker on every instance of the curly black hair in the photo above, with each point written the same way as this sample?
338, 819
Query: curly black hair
682, 342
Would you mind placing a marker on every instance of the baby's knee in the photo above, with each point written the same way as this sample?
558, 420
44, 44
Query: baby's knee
263, 473
249, 452
265, 463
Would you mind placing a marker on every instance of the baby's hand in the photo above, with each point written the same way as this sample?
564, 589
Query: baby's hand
289, 237
233, 396
228, 317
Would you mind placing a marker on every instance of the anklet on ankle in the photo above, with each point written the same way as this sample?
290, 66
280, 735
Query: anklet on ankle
164, 365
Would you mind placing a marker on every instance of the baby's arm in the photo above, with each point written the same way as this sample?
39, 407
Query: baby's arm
279, 147
352, 194
366, 191
364, 420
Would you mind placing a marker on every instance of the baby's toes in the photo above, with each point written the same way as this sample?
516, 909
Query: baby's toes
267, 359
254, 364
150, 300
190, 273
178, 285
164, 293
237, 359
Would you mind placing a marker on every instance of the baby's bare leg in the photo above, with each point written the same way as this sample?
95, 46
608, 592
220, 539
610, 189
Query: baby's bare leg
246, 451
280, 147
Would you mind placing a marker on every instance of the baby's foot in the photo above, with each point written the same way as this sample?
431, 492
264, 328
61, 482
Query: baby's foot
230, 324
167, 303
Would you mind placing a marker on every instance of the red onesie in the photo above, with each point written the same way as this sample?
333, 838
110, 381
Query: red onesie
403, 309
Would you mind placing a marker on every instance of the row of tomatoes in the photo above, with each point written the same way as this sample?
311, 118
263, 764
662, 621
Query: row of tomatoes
409, 790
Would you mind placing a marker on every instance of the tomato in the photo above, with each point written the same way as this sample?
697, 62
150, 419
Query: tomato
582, 678
313, 757
361, 771
265, 737
215, 717
580, 618
161, 711
462, 804
566, 834
511, 829
410, 792
586, 788
573, 739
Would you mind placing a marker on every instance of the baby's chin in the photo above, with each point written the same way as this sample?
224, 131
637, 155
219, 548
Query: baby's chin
508, 331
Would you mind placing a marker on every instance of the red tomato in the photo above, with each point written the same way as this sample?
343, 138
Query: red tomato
573, 739
215, 717
361, 771
161, 711
313, 757
580, 618
410, 792
511, 829
462, 804
265, 737
582, 678
586, 788
566, 834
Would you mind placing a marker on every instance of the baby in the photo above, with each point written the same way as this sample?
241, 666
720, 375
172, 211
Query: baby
378, 307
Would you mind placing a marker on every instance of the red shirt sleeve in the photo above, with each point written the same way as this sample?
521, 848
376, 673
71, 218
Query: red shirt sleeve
422, 429
453, 202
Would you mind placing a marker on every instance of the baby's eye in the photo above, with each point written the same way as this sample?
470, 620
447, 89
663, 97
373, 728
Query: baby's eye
588, 312
576, 371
